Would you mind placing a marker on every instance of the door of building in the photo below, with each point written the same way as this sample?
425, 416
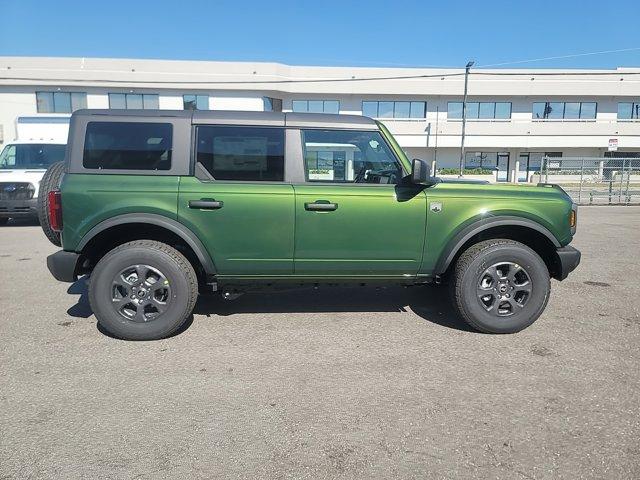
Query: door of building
503, 166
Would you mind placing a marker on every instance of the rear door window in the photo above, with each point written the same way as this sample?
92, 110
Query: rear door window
128, 146
242, 153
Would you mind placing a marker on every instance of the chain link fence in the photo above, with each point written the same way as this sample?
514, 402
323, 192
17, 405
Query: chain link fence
595, 180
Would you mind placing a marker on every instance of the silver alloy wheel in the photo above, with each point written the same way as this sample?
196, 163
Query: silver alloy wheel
504, 288
140, 293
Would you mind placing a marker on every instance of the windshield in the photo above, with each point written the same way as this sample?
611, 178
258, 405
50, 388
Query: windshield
31, 155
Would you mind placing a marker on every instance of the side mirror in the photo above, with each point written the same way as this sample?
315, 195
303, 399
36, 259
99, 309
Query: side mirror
420, 172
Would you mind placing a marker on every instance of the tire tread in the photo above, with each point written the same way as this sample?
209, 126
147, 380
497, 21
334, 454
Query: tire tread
181, 261
50, 181
463, 263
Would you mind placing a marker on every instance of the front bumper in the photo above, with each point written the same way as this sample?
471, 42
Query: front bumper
64, 265
568, 260
18, 208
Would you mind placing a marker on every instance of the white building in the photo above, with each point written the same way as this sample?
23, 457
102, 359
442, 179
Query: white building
514, 116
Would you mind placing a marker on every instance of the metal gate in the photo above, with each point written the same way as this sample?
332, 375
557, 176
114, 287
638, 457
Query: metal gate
595, 180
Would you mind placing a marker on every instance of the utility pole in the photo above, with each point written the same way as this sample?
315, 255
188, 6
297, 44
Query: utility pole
435, 153
464, 114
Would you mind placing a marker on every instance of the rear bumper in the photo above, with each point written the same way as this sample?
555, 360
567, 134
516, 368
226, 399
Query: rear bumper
568, 260
63, 265
18, 208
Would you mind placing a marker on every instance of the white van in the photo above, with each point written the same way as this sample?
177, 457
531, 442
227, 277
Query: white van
22, 165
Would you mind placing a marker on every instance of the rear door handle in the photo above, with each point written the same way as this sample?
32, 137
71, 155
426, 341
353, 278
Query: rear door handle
319, 206
206, 204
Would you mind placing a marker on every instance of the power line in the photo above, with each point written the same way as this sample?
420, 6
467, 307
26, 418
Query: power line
559, 57
326, 80
240, 82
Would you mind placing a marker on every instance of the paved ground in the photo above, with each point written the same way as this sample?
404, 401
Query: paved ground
341, 383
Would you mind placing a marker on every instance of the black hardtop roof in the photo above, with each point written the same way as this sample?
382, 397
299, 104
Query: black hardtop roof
232, 117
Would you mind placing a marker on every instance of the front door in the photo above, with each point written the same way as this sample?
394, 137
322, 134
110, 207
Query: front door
353, 219
503, 167
244, 213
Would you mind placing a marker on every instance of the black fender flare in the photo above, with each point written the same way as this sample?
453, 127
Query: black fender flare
161, 221
461, 237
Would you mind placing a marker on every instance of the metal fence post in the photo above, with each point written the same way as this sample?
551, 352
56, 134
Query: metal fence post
580, 186
621, 181
627, 194
545, 160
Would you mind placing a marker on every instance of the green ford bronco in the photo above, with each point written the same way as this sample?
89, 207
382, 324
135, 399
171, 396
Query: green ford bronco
157, 206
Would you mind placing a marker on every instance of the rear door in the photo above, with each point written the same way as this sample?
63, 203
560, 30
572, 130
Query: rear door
354, 215
239, 204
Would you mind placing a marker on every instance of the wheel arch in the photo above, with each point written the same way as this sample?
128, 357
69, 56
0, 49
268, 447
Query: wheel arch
526, 231
139, 226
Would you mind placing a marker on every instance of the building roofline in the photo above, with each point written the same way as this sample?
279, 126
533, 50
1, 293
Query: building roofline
280, 79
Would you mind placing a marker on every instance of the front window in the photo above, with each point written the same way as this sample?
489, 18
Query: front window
272, 104
195, 102
346, 156
60, 102
316, 106
564, 110
31, 155
483, 162
629, 111
480, 110
389, 109
146, 101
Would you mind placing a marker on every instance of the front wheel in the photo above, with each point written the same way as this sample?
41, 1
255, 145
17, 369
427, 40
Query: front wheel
4, 220
143, 290
500, 286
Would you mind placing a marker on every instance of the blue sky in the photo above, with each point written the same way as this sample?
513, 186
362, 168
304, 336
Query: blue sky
356, 33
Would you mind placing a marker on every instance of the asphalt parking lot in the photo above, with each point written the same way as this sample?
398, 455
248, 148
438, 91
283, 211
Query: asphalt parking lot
334, 383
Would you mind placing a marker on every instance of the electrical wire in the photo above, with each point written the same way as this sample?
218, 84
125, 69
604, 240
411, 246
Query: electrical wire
559, 57
324, 80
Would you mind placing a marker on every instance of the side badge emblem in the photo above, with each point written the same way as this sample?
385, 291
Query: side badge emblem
435, 207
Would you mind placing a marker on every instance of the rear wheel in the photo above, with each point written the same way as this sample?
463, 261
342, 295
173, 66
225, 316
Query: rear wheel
500, 286
50, 181
143, 290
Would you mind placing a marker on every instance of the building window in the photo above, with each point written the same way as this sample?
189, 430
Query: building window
253, 154
480, 110
387, 109
564, 110
272, 104
195, 102
629, 111
127, 146
146, 101
480, 160
316, 106
60, 102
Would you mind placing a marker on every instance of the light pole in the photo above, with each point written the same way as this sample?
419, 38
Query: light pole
464, 114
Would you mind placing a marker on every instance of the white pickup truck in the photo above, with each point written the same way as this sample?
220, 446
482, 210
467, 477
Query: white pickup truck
41, 141
22, 165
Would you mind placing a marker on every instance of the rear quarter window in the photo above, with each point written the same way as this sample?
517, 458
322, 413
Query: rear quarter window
127, 146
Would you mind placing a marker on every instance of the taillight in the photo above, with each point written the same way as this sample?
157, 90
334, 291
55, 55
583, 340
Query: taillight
55, 210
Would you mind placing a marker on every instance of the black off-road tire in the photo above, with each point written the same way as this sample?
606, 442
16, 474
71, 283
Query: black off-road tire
179, 274
467, 276
50, 181
4, 220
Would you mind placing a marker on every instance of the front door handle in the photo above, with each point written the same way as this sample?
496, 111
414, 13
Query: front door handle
321, 206
206, 204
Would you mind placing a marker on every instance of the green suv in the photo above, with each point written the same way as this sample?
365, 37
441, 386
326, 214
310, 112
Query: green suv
158, 206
